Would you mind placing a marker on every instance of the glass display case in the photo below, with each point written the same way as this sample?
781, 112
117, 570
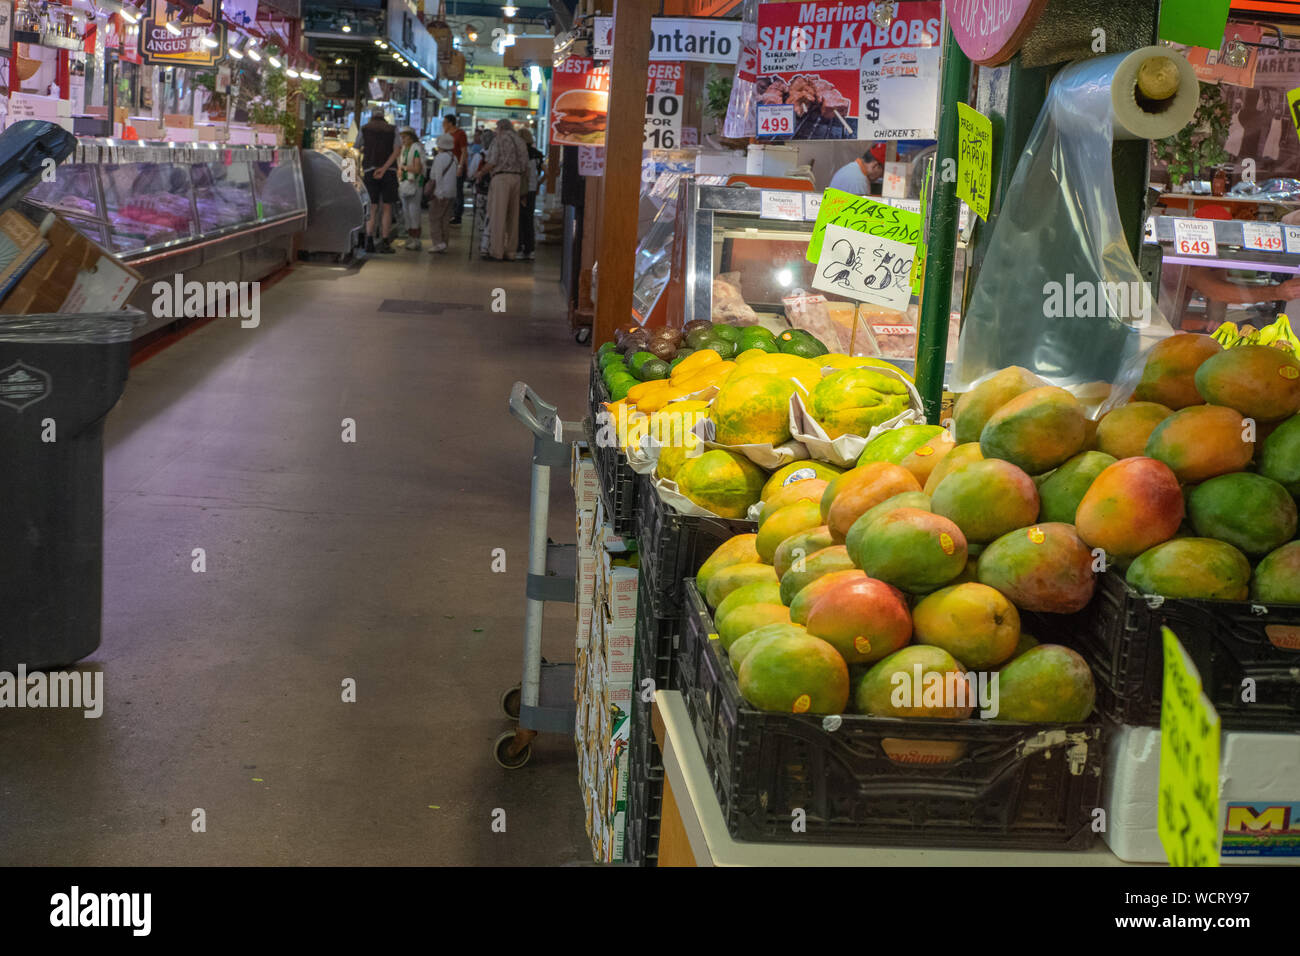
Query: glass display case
744, 268
137, 200
653, 265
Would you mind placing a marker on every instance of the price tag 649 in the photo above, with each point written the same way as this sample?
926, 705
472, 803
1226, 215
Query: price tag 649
1194, 237
775, 119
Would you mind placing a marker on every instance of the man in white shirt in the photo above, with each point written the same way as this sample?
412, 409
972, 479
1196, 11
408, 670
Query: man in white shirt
507, 161
863, 176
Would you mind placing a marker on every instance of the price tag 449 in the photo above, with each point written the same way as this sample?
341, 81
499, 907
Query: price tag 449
1194, 237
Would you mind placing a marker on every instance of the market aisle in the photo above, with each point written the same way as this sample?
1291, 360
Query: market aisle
325, 560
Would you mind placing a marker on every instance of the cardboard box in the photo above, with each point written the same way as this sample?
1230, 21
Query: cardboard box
146, 127
619, 585
178, 120
210, 134
585, 480
180, 134
71, 274
618, 646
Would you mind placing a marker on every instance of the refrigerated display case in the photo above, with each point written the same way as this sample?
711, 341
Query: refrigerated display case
730, 246
213, 213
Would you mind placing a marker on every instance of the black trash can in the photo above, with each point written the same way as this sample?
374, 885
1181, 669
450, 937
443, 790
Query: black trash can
59, 377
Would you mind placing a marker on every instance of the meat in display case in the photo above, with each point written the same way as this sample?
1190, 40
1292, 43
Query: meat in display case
743, 268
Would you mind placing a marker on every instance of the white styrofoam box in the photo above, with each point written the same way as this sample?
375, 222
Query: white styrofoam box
177, 134
1259, 796
33, 106
240, 136
719, 162
268, 139
585, 480
619, 584
768, 159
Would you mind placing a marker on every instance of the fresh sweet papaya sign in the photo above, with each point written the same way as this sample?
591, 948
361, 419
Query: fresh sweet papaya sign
974, 159
1188, 810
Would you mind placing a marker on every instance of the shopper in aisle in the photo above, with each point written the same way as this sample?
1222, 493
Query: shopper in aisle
411, 166
506, 160
377, 141
460, 145
528, 201
442, 190
864, 176
482, 140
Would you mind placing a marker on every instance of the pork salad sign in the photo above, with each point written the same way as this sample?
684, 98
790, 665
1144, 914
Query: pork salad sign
828, 71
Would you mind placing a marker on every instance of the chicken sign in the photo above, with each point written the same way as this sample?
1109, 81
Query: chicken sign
829, 70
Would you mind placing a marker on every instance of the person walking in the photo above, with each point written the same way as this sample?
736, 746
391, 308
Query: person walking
377, 141
444, 179
460, 148
506, 160
528, 201
411, 172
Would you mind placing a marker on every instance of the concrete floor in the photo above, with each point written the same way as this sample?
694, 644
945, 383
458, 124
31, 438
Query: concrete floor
325, 561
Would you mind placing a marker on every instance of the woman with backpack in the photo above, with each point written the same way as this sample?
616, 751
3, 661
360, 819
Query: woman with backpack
410, 167
441, 190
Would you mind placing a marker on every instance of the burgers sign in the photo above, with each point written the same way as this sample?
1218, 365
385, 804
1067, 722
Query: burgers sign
579, 101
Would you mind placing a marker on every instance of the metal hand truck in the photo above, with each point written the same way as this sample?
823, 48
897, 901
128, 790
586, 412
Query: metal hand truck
543, 700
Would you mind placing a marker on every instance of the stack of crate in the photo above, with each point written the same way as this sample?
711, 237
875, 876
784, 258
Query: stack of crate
604, 653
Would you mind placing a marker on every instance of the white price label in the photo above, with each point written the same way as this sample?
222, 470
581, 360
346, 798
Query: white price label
781, 205
1264, 236
775, 119
663, 121
867, 268
812, 204
1292, 235
1195, 237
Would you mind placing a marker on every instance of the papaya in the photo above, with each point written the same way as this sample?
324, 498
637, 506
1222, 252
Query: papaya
753, 409
855, 400
721, 481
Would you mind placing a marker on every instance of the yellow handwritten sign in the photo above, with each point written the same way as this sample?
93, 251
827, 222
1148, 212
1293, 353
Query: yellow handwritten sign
1293, 104
974, 159
861, 214
1188, 812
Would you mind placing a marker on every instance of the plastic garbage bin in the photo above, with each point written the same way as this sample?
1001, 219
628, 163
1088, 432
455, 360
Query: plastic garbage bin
59, 377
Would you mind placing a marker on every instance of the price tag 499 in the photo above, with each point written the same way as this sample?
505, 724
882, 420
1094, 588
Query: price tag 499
775, 119
1195, 237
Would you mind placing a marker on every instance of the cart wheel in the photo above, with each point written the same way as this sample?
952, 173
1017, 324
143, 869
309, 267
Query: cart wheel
501, 752
583, 335
510, 702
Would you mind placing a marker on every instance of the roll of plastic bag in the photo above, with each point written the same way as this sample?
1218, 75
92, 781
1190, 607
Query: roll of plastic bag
1058, 292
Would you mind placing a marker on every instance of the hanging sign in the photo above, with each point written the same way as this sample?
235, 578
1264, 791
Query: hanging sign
183, 45
974, 159
842, 76
663, 107
495, 86
1195, 22
991, 33
1187, 814
579, 102
679, 39
868, 268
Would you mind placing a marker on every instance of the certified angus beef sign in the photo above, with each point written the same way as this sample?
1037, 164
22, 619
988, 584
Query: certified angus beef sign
991, 31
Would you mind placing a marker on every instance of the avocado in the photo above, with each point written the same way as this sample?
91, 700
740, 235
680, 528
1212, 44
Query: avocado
653, 369
728, 332
696, 338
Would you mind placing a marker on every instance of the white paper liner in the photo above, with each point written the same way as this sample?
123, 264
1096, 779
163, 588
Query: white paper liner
764, 455
845, 450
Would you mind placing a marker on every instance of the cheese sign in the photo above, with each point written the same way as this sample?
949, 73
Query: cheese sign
1187, 812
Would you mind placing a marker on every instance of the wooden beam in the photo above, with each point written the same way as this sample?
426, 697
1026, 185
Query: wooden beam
616, 242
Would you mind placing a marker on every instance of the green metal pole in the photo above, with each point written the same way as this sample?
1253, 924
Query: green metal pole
936, 290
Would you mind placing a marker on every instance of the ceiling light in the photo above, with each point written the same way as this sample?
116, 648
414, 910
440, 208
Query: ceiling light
171, 28
209, 42
378, 42
252, 52
509, 10
883, 14
347, 28
472, 36
237, 53
130, 16
291, 73
274, 62
338, 60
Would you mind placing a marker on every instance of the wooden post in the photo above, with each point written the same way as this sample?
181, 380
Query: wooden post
616, 237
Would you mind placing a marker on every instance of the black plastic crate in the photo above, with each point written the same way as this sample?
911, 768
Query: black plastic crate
1229, 641
657, 639
618, 484
866, 780
674, 545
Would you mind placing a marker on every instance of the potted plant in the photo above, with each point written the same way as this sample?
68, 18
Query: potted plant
1198, 147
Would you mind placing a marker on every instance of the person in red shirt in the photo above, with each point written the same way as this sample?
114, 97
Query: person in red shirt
461, 151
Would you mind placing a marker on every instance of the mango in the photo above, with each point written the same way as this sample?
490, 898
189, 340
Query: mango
794, 674
986, 499
799, 547
737, 575
973, 622
1123, 432
793, 518
1277, 577
863, 619
1044, 568
1202, 441
1279, 455
890, 688
1199, 568
742, 549
741, 646
1259, 381
834, 558
976, 407
1046, 684
863, 488
810, 488
759, 592
908, 499
1037, 430
802, 604
1169, 374
1061, 491
911, 549
1132, 505
897, 443
1252, 513
751, 617
924, 459
960, 455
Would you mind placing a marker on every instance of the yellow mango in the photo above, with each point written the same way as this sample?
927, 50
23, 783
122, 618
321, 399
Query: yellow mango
653, 401
642, 389
694, 362
713, 374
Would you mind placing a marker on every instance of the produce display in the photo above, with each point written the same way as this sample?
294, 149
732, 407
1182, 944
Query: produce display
917, 564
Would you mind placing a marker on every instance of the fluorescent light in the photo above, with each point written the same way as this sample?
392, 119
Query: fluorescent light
253, 54
346, 28
292, 73
171, 28
509, 10
130, 16
237, 53
209, 42
274, 62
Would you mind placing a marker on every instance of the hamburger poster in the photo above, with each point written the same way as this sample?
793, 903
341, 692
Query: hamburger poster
579, 101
